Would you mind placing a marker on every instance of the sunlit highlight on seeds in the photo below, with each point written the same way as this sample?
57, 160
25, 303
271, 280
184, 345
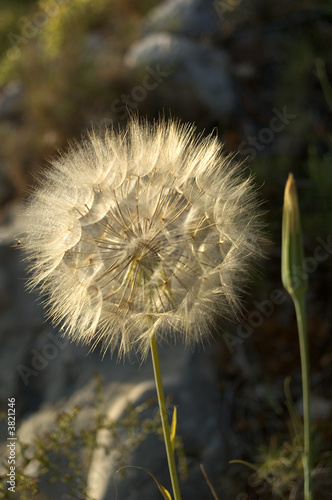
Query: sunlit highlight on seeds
142, 233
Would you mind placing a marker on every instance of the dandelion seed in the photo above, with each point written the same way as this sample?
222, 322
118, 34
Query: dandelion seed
142, 234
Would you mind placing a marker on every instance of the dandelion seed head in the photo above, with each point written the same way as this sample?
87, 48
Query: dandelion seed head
142, 233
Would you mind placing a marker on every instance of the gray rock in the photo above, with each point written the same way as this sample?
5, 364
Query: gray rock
11, 100
190, 380
192, 18
47, 375
194, 78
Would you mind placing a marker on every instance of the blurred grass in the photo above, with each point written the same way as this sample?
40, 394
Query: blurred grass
71, 69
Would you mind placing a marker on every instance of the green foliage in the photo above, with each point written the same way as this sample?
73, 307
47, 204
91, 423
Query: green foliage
68, 56
278, 468
70, 446
279, 465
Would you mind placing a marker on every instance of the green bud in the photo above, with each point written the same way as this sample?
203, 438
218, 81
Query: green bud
294, 278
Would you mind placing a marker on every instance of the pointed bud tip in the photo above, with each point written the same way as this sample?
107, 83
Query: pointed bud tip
290, 188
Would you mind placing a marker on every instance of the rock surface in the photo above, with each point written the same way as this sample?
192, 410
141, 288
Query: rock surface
11, 100
193, 77
180, 45
47, 375
192, 18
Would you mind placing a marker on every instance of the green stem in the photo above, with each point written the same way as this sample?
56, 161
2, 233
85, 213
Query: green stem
164, 420
299, 302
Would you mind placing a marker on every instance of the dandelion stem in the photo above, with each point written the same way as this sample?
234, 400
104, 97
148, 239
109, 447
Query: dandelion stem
164, 420
299, 303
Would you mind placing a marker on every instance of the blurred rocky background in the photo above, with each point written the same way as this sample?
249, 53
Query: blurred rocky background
258, 74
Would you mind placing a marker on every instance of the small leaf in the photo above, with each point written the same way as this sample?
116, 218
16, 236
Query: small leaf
173, 427
163, 490
244, 462
165, 493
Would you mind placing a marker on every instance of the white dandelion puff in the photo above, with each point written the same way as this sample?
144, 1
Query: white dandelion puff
141, 234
